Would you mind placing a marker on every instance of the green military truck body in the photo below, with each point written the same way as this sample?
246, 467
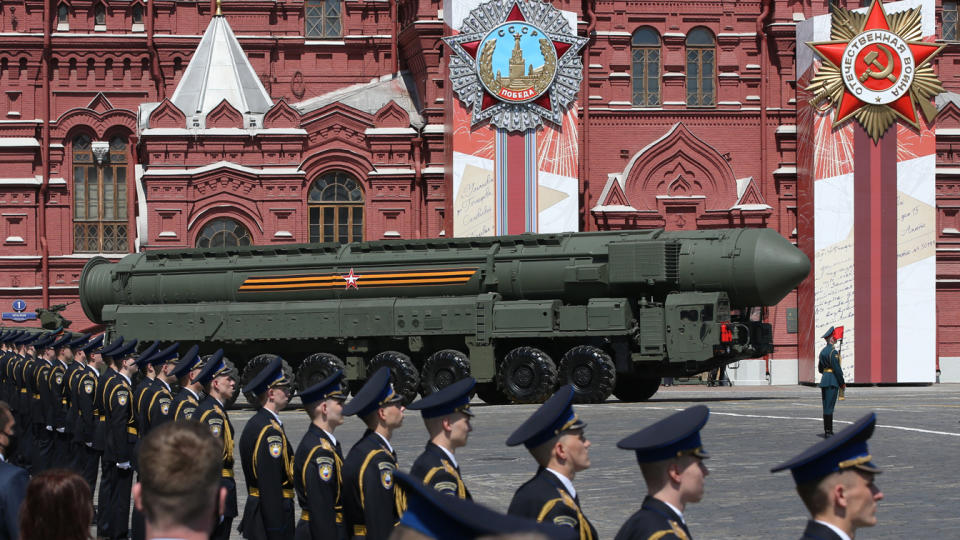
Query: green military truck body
608, 311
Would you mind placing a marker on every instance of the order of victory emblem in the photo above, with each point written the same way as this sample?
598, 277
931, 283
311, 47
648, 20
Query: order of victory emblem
516, 63
875, 69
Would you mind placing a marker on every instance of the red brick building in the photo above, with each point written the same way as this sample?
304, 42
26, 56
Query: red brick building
291, 125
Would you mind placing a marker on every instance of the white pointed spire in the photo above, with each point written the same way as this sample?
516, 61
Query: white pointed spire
219, 70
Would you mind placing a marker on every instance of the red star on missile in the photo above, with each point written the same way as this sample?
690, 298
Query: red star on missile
472, 47
351, 280
833, 52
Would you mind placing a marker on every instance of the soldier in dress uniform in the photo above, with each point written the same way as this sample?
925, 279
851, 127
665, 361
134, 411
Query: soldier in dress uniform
554, 436
60, 401
42, 407
34, 367
88, 415
70, 386
446, 414
671, 457
835, 481
371, 503
155, 409
121, 439
217, 380
430, 514
189, 397
318, 463
105, 382
143, 385
267, 459
832, 380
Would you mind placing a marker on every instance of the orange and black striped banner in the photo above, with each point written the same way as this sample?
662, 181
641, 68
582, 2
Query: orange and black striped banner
359, 278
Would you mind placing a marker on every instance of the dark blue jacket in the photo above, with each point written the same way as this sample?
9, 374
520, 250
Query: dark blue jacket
654, 518
829, 365
13, 488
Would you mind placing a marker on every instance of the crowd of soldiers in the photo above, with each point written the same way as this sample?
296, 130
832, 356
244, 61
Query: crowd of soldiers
81, 405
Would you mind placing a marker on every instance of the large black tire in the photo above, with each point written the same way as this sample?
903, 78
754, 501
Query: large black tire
490, 394
590, 371
403, 374
255, 365
634, 388
527, 375
443, 368
317, 367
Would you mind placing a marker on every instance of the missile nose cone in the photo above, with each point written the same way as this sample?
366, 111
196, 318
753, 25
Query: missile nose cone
780, 267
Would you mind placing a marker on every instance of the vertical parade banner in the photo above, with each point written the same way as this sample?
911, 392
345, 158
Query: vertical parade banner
516, 70
866, 187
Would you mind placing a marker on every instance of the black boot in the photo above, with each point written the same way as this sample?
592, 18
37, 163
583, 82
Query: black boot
827, 425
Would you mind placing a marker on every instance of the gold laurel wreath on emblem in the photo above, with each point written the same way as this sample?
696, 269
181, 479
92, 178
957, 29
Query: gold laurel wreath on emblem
827, 85
544, 77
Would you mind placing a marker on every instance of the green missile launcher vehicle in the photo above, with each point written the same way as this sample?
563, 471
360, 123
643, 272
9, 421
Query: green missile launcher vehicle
609, 312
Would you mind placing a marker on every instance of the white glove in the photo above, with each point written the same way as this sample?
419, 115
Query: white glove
89, 444
49, 428
125, 465
61, 430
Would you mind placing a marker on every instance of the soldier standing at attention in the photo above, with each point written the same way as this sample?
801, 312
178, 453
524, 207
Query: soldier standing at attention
371, 504
143, 388
318, 463
832, 380
59, 402
267, 459
121, 439
671, 457
186, 372
75, 369
554, 436
217, 379
107, 379
40, 407
446, 414
88, 416
155, 410
835, 482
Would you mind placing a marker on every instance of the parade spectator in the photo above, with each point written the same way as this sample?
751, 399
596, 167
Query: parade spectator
13, 479
58, 506
179, 490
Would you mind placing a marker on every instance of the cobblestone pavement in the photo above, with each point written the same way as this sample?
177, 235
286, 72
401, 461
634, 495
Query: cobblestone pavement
750, 430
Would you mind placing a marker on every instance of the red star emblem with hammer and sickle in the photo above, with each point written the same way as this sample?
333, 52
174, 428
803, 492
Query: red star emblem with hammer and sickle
877, 65
351, 280
472, 48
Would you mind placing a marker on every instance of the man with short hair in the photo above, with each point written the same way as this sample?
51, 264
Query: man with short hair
41, 407
446, 414
179, 490
75, 370
216, 377
554, 436
186, 371
671, 457
831, 380
318, 462
105, 383
267, 459
13, 479
835, 481
371, 504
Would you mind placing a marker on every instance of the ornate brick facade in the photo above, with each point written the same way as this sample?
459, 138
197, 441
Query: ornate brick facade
712, 145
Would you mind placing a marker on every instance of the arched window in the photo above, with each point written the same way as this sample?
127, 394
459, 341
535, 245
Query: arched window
646, 67
100, 195
223, 232
336, 208
322, 18
136, 13
701, 68
63, 17
99, 15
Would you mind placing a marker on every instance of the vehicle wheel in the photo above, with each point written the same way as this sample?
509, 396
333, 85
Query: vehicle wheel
527, 375
443, 368
591, 373
634, 388
490, 394
403, 374
255, 365
317, 367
